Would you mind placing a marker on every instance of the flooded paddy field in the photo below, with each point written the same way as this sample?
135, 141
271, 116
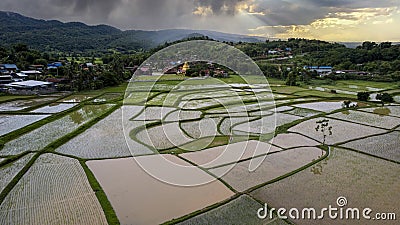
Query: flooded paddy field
290, 140
150, 201
274, 166
302, 112
321, 106
365, 181
9, 123
54, 108
384, 111
385, 146
107, 97
104, 140
54, 190
229, 154
10, 170
44, 135
266, 124
24, 104
237, 211
370, 119
341, 131
80, 166
76, 98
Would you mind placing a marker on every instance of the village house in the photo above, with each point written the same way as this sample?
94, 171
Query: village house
8, 68
29, 87
37, 67
54, 65
321, 70
6, 79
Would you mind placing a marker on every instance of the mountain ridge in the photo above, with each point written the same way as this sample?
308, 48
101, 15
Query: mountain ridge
54, 35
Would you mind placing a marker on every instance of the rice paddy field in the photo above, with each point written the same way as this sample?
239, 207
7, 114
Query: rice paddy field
11, 123
54, 190
274, 166
158, 196
237, 211
384, 111
322, 106
18, 105
200, 152
50, 132
385, 145
341, 130
9, 171
54, 108
103, 140
365, 182
370, 119
77, 98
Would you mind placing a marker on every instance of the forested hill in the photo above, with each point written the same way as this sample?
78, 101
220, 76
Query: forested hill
53, 35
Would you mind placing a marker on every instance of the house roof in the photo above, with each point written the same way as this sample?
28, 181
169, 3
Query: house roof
10, 66
318, 67
28, 84
54, 64
21, 75
31, 72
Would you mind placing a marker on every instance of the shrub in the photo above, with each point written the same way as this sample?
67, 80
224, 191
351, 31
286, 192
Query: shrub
385, 97
363, 96
347, 103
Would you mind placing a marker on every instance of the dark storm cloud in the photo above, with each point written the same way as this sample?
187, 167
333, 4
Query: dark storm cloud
220, 6
280, 12
353, 3
104, 7
218, 15
91, 11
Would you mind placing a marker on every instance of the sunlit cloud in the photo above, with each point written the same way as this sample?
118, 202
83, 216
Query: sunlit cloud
203, 11
319, 19
346, 25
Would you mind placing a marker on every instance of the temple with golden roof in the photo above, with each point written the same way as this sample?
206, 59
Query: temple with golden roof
185, 67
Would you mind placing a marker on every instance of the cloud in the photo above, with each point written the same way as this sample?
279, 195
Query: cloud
377, 24
219, 6
270, 18
90, 11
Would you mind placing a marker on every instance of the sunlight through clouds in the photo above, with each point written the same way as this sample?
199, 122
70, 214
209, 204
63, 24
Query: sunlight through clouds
346, 25
350, 20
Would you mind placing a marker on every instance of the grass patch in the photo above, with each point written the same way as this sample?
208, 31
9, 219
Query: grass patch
111, 217
6, 98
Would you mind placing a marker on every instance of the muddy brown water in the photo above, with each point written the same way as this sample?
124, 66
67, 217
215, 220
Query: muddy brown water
138, 198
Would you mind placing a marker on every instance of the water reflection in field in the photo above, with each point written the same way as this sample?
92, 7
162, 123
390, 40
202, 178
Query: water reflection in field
138, 198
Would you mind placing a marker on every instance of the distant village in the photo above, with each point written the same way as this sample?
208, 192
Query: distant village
40, 79
33, 81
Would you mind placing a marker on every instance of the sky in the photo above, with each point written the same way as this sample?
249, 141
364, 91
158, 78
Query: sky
330, 20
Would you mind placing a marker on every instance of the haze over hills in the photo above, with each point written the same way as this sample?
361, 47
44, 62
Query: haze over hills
53, 35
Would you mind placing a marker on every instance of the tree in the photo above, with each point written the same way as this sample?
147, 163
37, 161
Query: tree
109, 79
395, 76
347, 103
21, 47
363, 96
385, 97
323, 126
291, 79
